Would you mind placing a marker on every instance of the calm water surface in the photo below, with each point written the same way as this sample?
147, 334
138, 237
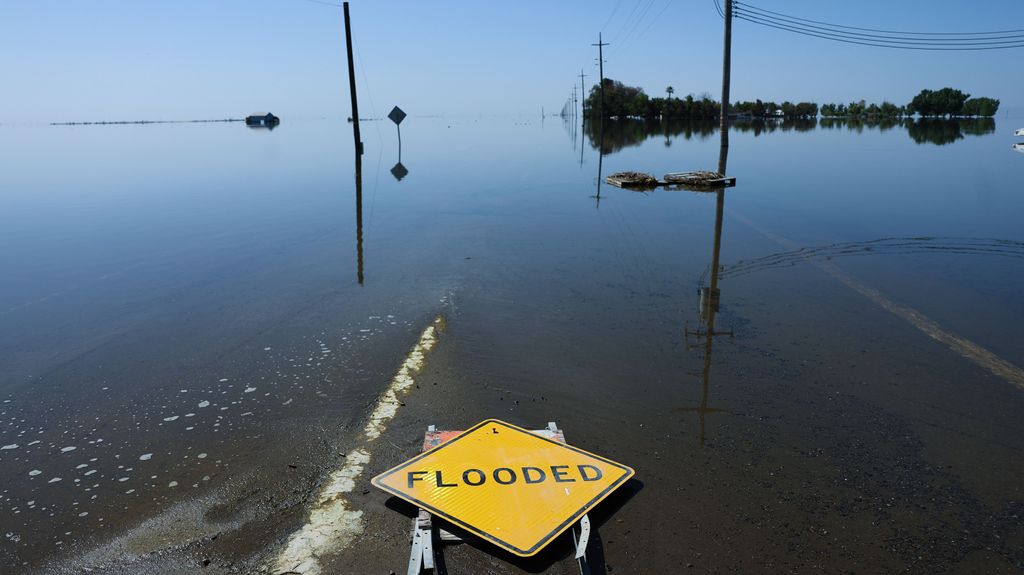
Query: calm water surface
188, 310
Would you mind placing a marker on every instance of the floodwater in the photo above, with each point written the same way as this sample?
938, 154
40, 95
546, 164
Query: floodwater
197, 321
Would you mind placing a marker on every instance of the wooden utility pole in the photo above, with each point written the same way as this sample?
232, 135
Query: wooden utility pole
352, 84
600, 63
726, 71
583, 96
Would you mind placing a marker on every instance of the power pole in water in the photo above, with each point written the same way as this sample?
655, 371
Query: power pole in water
583, 96
352, 84
600, 62
726, 65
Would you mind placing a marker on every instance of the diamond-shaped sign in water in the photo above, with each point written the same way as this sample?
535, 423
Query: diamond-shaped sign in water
397, 115
511, 487
399, 171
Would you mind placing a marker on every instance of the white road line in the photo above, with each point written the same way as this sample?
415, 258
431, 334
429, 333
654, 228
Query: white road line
333, 523
961, 345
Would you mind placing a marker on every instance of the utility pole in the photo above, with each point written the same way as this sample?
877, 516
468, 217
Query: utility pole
352, 84
600, 62
726, 71
574, 101
583, 96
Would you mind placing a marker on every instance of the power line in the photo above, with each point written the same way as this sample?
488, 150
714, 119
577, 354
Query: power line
877, 44
736, 2
612, 15
323, 3
931, 40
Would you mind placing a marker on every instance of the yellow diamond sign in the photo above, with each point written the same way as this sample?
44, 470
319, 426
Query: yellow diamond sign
509, 486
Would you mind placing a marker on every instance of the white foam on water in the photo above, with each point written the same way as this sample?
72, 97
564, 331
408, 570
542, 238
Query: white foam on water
55, 480
31, 443
68, 448
11, 446
146, 457
171, 418
223, 379
122, 479
204, 403
90, 472
333, 523
249, 390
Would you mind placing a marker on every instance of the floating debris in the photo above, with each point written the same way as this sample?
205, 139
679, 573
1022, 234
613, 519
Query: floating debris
700, 178
632, 180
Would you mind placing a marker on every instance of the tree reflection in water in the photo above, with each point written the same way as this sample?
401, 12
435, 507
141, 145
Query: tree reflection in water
624, 133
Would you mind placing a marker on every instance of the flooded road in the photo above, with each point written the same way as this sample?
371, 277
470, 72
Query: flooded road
198, 336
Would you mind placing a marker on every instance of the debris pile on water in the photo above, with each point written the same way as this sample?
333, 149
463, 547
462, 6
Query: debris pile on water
697, 178
632, 180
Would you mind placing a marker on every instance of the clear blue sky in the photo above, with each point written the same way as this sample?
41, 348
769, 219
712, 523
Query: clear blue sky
80, 60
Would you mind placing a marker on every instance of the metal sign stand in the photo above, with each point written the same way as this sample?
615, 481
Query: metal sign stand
423, 554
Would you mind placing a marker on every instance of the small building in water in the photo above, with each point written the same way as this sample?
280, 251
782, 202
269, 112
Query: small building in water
262, 119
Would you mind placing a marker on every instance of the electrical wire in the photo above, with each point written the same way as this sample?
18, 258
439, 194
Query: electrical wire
612, 15
885, 38
738, 3
940, 41
875, 44
323, 3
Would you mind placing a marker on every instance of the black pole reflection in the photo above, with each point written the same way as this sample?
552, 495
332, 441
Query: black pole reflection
600, 160
710, 298
359, 217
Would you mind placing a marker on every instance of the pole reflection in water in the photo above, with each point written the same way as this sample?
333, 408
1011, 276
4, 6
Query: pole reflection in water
359, 216
600, 160
709, 302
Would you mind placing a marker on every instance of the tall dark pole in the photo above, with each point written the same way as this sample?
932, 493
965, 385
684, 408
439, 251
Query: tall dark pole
352, 84
583, 96
726, 71
600, 63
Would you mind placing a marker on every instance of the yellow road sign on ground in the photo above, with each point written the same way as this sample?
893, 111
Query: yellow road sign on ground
510, 486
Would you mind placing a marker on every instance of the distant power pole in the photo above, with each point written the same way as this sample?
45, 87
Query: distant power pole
583, 96
352, 83
726, 66
600, 62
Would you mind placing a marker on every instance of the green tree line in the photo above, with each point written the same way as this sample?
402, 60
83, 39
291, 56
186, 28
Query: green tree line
624, 101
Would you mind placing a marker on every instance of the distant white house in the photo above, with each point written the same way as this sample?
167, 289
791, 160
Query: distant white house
262, 119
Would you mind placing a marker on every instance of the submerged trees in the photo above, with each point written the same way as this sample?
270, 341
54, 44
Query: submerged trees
624, 101
951, 102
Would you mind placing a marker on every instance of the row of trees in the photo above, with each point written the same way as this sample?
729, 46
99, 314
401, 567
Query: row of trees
951, 102
861, 109
625, 101
759, 109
